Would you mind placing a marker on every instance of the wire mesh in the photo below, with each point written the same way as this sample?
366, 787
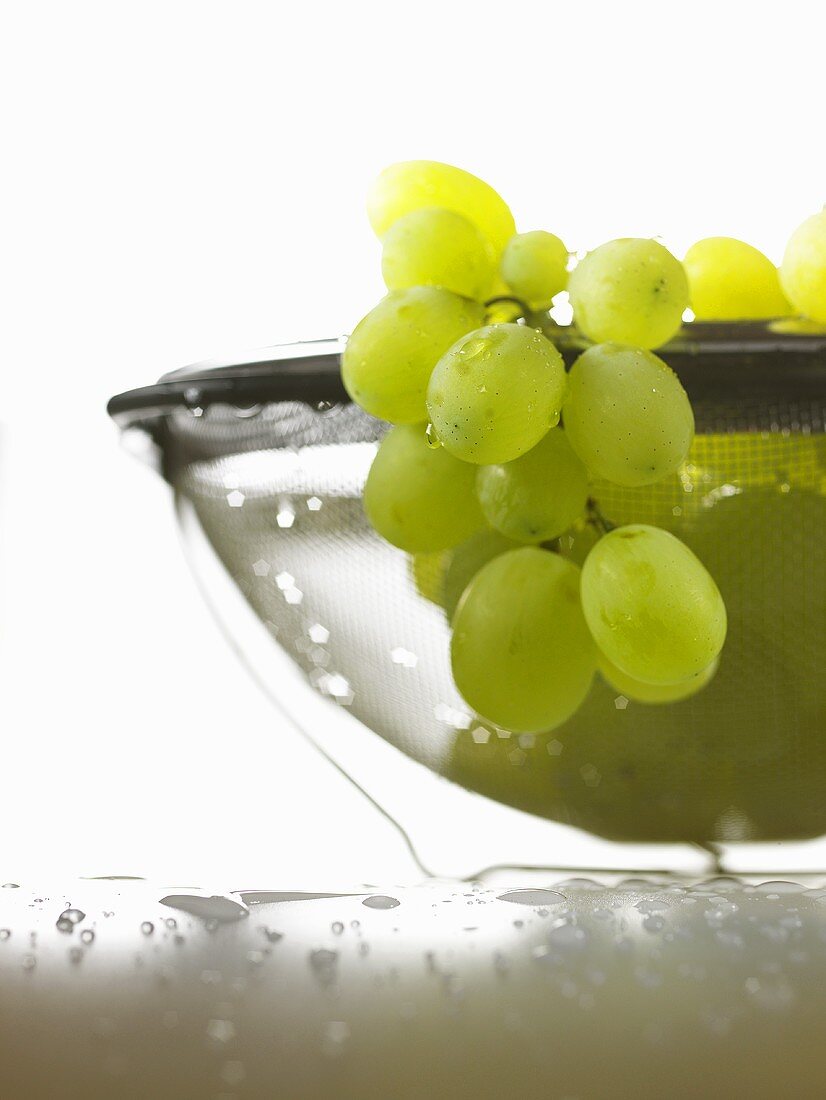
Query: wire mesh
277, 489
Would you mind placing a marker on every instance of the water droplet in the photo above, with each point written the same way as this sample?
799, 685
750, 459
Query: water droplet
431, 438
337, 927
722, 909
87, 935
729, 938
220, 1031
775, 889
532, 897
10, 886
5, 933
68, 919
775, 933
324, 964
651, 905
147, 927
381, 901
564, 933
335, 1035
272, 936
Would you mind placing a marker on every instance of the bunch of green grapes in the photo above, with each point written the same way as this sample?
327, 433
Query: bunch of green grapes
493, 449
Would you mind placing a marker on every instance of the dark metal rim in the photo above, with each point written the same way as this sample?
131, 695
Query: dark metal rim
308, 372
718, 361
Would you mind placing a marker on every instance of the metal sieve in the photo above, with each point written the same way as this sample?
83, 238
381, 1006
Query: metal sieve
267, 459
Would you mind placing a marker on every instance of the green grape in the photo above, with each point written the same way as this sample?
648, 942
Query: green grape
431, 247
626, 415
652, 606
427, 571
465, 562
534, 266
521, 653
495, 393
632, 291
641, 692
752, 740
538, 496
803, 271
391, 354
729, 280
417, 497
413, 184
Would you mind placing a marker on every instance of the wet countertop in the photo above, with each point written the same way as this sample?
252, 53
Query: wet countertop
571, 990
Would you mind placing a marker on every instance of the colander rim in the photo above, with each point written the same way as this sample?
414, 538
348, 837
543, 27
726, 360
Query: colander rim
714, 360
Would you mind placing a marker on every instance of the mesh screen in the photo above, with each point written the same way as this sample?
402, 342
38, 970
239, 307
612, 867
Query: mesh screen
277, 490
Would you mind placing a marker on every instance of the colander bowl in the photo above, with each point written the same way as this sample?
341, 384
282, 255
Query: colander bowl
267, 460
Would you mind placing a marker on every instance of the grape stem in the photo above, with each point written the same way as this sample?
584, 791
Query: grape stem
523, 308
597, 519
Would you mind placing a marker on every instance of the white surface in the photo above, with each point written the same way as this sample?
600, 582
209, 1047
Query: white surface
187, 179
634, 991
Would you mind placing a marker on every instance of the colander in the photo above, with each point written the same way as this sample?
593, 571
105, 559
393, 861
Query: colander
267, 460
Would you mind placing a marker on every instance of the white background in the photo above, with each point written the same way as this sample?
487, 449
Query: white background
185, 179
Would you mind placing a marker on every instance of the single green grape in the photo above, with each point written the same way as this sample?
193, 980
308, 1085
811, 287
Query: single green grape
432, 247
651, 605
632, 291
729, 280
495, 393
803, 271
535, 267
537, 496
465, 562
427, 571
418, 497
640, 692
391, 354
627, 415
521, 653
413, 184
